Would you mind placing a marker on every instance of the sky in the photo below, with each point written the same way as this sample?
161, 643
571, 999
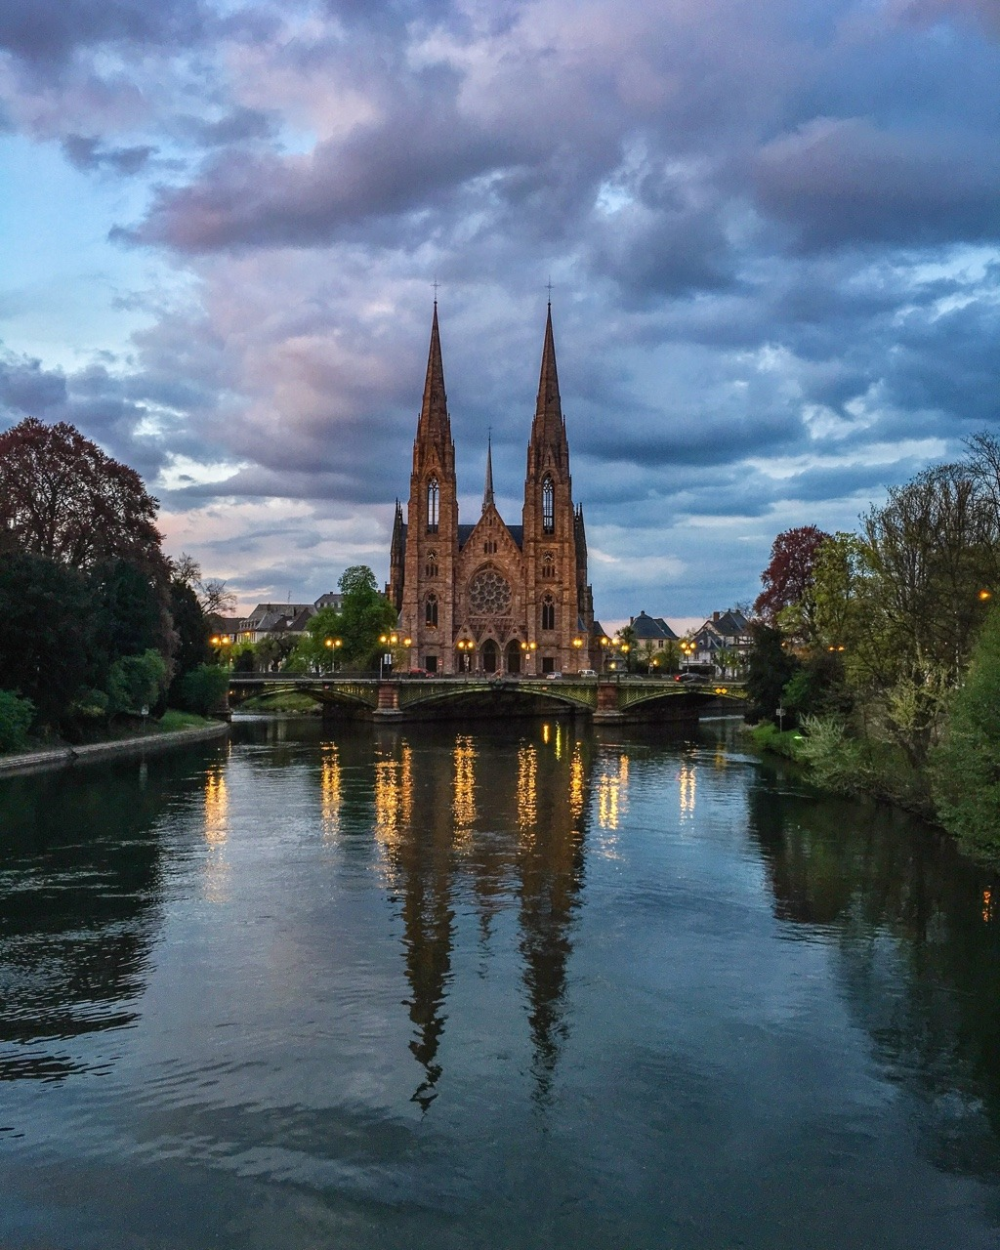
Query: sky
771, 229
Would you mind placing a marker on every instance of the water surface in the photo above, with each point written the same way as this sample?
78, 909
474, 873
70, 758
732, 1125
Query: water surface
448, 987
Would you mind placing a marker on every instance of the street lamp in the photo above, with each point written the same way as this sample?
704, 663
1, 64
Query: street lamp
577, 644
386, 639
466, 646
333, 644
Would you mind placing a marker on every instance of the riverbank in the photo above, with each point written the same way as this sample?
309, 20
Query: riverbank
118, 748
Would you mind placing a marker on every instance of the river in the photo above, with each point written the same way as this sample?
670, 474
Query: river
535, 986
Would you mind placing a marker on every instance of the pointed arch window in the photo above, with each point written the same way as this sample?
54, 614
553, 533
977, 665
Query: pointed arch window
548, 507
431, 567
433, 505
431, 611
548, 613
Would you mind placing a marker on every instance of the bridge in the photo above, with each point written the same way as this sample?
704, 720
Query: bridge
610, 699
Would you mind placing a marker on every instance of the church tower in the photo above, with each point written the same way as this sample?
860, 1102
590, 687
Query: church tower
490, 598
431, 538
551, 528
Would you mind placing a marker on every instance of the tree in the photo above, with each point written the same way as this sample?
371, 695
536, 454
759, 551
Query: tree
46, 632
966, 767
788, 577
770, 667
365, 615
61, 497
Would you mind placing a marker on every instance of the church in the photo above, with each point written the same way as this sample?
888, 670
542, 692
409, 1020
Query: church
490, 597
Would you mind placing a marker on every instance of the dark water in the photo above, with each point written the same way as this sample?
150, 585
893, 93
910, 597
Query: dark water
447, 988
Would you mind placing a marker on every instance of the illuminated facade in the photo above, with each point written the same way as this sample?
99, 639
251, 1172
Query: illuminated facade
489, 597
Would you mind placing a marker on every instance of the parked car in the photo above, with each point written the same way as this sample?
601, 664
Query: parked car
553, 676
586, 672
688, 677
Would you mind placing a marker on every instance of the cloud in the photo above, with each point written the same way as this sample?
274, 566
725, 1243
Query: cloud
844, 180
49, 30
772, 234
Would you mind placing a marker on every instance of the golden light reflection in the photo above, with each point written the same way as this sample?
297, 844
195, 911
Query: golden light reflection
559, 742
612, 794
216, 806
987, 905
687, 782
216, 832
576, 784
393, 797
330, 790
527, 789
464, 804
546, 733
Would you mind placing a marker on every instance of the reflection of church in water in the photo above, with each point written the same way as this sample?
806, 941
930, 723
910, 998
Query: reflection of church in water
535, 799
492, 597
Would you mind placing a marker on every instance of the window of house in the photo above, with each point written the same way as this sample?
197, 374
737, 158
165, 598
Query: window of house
548, 507
431, 611
433, 505
548, 613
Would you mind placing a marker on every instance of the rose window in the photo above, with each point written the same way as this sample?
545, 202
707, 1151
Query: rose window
489, 593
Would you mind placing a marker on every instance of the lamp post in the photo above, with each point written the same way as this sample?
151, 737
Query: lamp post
465, 646
386, 640
577, 644
333, 644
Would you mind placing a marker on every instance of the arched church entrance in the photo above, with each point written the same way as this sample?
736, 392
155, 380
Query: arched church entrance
512, 659
491, 656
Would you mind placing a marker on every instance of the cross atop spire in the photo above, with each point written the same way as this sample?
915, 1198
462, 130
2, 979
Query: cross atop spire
488, 491
434, 410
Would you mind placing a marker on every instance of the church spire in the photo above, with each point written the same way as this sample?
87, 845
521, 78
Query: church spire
488, 491
434, 410
548, 409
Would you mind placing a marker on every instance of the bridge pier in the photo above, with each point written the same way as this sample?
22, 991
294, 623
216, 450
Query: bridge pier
607, 709
388, 703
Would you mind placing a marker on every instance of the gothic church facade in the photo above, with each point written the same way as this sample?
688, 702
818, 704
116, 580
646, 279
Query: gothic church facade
491, 597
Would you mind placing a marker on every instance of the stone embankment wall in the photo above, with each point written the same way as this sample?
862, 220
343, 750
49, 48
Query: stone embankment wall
67, 757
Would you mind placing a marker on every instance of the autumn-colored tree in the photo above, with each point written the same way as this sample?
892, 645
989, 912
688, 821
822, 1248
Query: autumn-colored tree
62, 498
788, 577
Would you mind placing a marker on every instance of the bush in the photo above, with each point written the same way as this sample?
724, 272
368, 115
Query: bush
136, 681
204, 688
16, 715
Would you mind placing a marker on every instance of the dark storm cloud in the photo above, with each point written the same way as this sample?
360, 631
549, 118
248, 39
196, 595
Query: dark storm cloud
49, 30
27, 389
846, 181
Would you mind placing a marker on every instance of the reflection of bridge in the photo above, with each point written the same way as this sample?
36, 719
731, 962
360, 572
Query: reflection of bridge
428, 698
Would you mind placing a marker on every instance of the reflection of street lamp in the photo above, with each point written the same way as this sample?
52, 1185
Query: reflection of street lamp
466, 646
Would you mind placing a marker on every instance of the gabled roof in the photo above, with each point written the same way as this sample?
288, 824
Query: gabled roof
651, 629
515, 531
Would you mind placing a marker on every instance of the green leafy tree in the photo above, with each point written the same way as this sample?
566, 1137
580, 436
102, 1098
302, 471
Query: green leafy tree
46, 632
136, 682
203, 689
966, 766
770, 667
311, 651
365, 616
16, 715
